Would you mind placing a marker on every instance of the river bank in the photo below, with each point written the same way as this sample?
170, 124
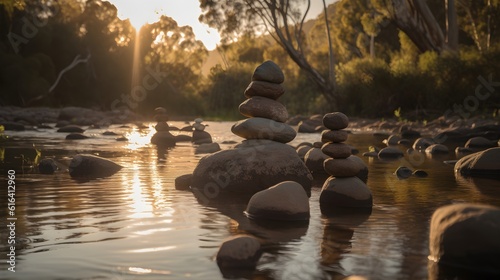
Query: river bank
17, 118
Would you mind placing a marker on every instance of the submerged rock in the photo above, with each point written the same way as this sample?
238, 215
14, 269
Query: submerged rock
349, 192
183, 182
47, 166
403, 172
90, 166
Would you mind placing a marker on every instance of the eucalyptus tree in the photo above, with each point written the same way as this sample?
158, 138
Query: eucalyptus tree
284, 20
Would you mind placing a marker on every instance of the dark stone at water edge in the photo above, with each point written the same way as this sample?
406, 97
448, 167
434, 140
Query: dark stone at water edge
349, 192
183, 182
481, 164
76, 136
163, 139
466, 236
403, 172
47, 166
240, 251
90, 166
71, 128
249, 167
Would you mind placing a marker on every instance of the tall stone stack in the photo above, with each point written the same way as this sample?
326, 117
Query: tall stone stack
266, 116
342, 189
263, 159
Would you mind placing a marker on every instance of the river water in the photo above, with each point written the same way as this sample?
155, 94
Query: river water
136, 225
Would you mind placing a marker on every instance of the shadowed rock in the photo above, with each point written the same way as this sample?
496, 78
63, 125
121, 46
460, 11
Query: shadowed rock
481, 164
268, 72
264, 89
466, 236
286, 201
263, 107
260, 128
249, 167
90, 166
241, 251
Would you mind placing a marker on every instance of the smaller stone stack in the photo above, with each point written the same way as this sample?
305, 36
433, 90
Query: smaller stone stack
162, 137
266, 116
200, 136
342, 189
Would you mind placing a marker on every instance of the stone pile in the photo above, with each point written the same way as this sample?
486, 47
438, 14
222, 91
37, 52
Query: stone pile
263, 159
342, 189
266, 116
200, 136
162, 137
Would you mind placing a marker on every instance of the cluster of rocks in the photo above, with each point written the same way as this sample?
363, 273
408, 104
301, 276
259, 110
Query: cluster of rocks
342, 189
262, 159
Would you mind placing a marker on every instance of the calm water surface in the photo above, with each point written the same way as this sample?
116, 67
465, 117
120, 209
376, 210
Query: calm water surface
135, 225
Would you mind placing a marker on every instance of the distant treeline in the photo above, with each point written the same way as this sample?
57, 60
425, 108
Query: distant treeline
79, 53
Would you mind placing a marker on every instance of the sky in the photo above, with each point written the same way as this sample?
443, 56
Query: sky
184, 12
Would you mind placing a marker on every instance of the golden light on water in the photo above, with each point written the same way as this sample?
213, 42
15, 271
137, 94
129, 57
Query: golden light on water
138, 139
153, 249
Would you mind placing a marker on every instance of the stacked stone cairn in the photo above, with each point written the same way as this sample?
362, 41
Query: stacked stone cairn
266, 116
263, 159
200, 136
342, 189
162, 137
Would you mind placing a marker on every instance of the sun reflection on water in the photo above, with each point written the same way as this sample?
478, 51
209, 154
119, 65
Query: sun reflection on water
139, 138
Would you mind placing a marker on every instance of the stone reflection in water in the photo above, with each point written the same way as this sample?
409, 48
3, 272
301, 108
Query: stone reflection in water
337, 238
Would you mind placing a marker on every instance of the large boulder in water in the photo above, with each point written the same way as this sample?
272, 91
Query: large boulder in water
90, 166
250, 167
466, 236
481, 164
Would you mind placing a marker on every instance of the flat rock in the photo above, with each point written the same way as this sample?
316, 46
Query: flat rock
335, 136
286, 201
260, 128
76, 136
90, 166
263, 107
249, 167
335, 121
437, 149
481, 164
71, 128
268, 72
466, 236
348, 192
479, 142
342, 167
336, 150
390, 152
264, 89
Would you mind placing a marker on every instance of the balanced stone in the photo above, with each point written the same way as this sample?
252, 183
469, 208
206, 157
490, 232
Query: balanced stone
263, 107
348, 192
336, 150
286, 201
335, 121
335, 136
264, 89
302, 151
342, 167
261, 128
201, 137
268, 72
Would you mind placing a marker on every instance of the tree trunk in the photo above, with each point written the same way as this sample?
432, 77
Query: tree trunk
451, 25
415, 19
331, 74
